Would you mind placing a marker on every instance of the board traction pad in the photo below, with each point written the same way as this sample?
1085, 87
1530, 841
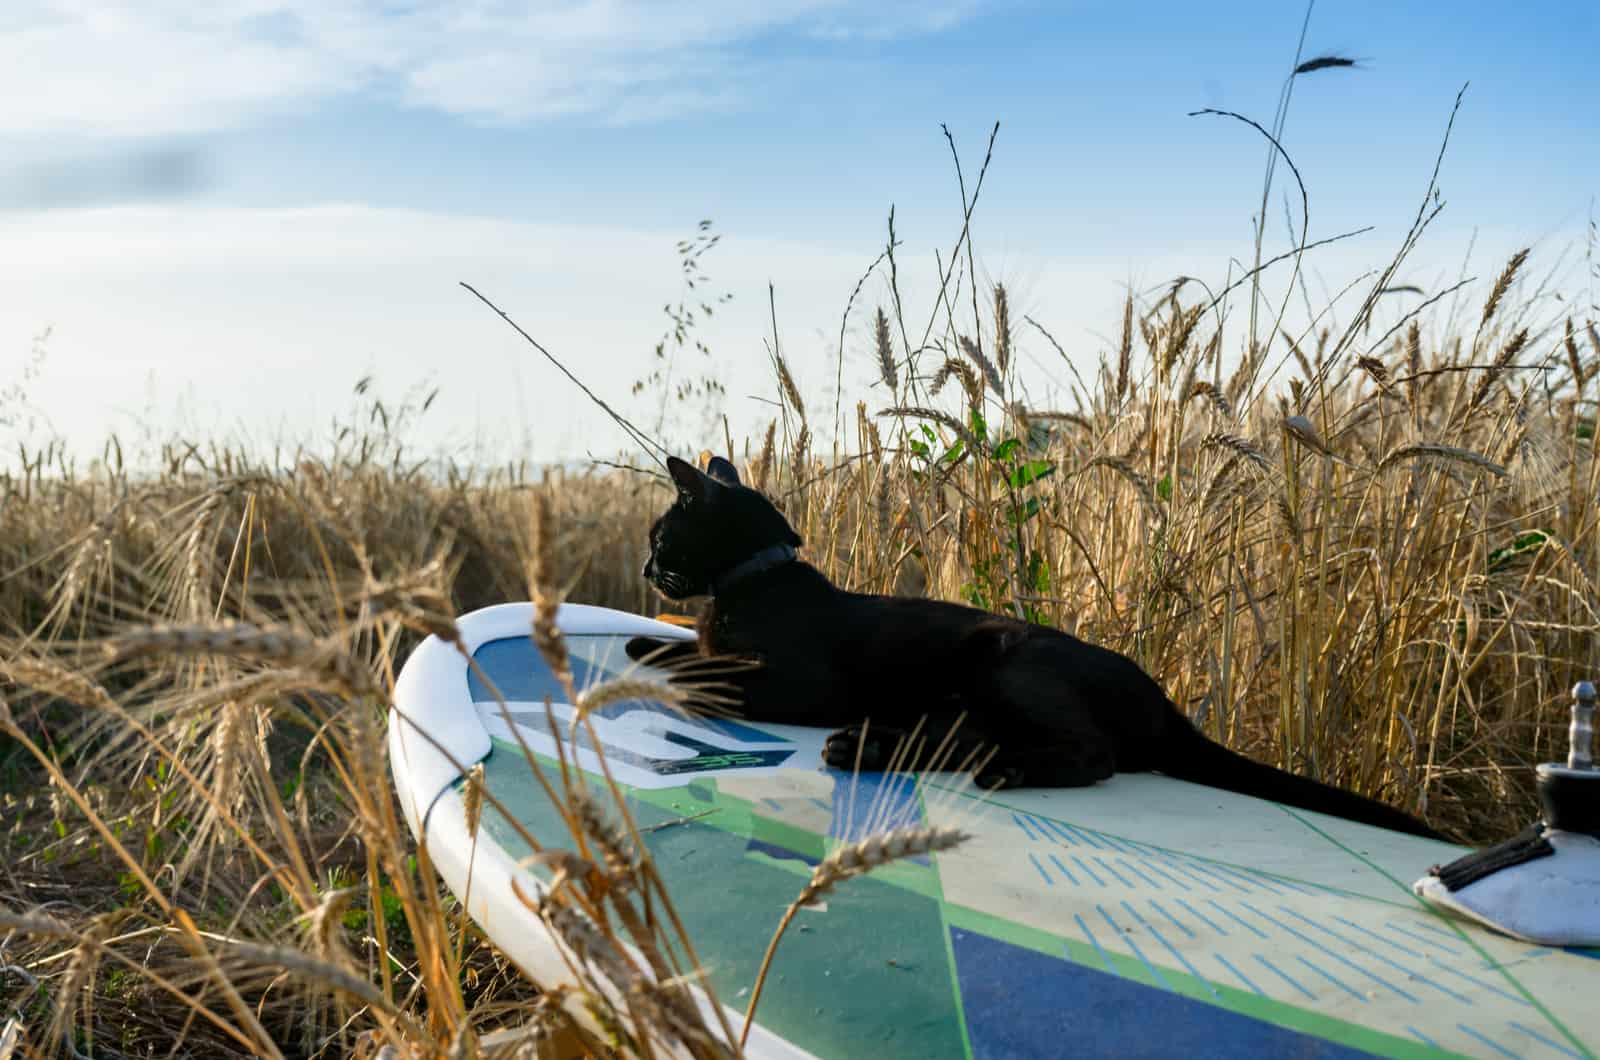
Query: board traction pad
1046, 936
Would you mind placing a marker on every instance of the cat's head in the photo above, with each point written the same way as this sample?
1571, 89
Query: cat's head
714, 525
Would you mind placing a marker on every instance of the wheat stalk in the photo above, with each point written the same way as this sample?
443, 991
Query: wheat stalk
283, 647
847, 862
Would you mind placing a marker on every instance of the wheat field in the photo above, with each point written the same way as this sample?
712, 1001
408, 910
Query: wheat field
1365, 552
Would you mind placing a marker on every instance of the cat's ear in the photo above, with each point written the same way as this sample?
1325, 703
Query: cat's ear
690, 482
723, 471
693, 484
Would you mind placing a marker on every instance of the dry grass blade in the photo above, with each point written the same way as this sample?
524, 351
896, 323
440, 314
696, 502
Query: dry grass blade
1419, 630
282, 647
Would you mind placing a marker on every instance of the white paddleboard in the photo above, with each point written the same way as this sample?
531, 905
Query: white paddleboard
1141, 917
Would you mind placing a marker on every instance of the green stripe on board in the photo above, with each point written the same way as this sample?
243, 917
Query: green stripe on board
988, 800
732, 869
1454, 925
1243, 1002
869, 974
949, 950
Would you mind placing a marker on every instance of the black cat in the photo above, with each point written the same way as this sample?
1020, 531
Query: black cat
1055, 710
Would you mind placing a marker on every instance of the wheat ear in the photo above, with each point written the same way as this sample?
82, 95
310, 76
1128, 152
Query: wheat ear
851, 860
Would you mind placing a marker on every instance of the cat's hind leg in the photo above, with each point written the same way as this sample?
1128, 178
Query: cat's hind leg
1049, 762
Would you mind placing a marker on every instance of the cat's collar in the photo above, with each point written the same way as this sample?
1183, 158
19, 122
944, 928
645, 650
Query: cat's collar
768, 558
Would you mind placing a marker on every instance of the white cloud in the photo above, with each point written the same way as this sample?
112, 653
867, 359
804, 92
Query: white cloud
156, 67
227, 322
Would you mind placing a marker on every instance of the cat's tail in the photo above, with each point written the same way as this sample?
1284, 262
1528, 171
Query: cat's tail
1191, 756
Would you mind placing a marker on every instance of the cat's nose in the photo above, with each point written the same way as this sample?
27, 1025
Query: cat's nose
649, 567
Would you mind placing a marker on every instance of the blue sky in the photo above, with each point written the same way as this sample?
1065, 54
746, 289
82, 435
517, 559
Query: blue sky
226, 217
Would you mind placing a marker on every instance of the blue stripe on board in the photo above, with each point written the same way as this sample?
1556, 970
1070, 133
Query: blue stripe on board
1474, 980
1202, 881
1211, 872
1064, 870
1285, 976
1231, 915
1490, 1042
1418, 938
1434, 929
1182, 959
1411, 973
1298, 886
1551, 1042
1090, 838
1423, 1038
1252, 879
1180, 925
1155, 973
1027, 828
1159, 871
1333, 979
1123, 862
1084, 927
1237, 974
1419, 977
1040, 867
1057, 831
1341, 958
1098, 882
1112, 869
1408, 951
1119, 844
1141, 921
1019, 1003
1203, 918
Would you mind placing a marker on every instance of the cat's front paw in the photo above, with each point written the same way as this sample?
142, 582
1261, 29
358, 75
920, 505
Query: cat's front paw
997, 776
860, 746
642, 648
